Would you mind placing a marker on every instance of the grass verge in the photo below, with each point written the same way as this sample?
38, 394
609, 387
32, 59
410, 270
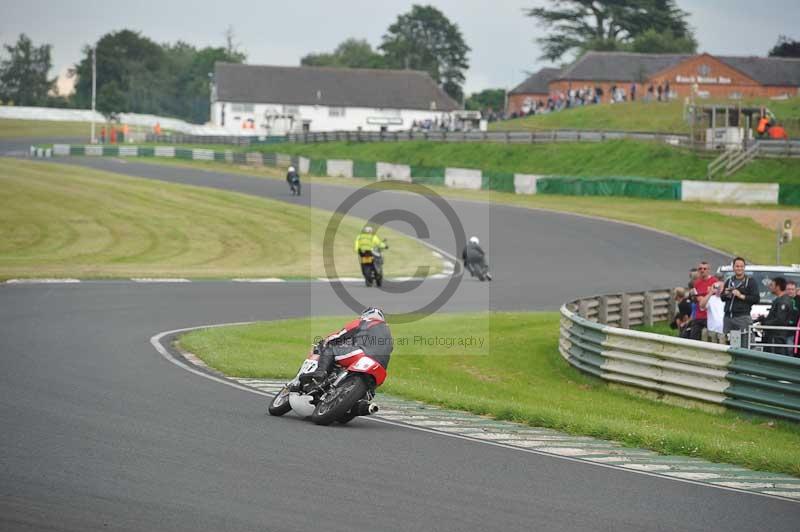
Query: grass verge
745, 233
11, 128
640, 116
617, 158
516, 375
66, 221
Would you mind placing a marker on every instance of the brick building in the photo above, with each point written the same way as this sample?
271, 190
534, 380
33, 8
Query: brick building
719, 77
534, 89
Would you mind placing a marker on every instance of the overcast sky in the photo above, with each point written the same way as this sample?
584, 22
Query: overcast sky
280, 32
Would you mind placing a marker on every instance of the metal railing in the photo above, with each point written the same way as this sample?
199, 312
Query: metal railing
757, 382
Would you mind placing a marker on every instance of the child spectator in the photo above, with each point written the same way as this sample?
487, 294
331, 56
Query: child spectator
713, 305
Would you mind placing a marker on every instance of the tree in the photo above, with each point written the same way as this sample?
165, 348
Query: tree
351, 53
785, 47
424, 39
610, 25
665, 42
487, 99
23, 76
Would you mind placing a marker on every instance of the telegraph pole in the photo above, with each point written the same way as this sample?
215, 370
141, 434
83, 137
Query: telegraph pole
94, 88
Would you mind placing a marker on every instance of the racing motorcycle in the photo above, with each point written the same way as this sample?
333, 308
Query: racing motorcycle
347, 392
294, 185
372, 266
479, 270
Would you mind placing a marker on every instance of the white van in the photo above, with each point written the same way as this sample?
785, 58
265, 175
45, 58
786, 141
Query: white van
762, 275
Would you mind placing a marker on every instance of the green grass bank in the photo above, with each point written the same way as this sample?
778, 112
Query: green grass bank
516, 375
66, 221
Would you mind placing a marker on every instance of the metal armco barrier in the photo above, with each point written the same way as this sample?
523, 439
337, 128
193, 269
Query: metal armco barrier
757, 382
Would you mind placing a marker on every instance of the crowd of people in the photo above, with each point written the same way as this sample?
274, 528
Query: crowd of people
587, 95
713, 310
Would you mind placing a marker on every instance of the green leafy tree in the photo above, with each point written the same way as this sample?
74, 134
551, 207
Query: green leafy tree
583, 25
23, 75
665, 42
352, 53
785, 47
486, 100
424, 39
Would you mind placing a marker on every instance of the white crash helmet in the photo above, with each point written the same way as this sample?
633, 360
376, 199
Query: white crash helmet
474, 240
291, 168
367, 228
372, 313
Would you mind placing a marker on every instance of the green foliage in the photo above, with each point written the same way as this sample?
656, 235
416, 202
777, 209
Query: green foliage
785, 47
351, 53
424, 39
664, 42
486, 100
23, 75
515, 374
609, 25
135, 74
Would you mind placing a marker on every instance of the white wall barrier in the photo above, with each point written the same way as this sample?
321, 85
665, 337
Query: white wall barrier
303, 165
128, 151
524, 184
202, 155
399, 172
741, 193
463, 178
282, 159
339, 168
61, 149
164, 151
254, 158
94, 150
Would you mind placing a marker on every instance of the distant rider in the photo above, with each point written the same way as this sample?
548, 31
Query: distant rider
366, 335
473, 255
293, 178
366, 241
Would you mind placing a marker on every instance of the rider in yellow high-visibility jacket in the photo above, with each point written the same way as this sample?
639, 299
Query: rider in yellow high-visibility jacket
367, 240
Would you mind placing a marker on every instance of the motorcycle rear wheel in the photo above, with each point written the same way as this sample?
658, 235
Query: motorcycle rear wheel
280, 403
338, 401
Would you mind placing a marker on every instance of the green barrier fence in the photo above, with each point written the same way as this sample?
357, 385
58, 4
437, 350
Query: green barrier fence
610, 186
789, 194
500, 181
181, 153
367, 169
111, 150
270, 159
77, 150
219, 155
427, 175
318, 167
147, 151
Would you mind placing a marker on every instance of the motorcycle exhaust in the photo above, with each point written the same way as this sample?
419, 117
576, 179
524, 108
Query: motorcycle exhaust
366, 408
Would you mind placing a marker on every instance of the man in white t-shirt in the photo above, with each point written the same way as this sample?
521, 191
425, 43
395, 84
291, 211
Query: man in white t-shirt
715, 307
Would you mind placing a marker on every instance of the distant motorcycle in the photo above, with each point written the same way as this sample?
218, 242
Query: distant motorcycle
479, 270
347, 392
294, 186
372, 266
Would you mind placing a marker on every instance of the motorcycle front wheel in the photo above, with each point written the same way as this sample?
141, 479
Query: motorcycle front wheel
280, 403
339, 400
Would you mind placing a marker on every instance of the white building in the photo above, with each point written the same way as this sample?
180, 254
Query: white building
275, 100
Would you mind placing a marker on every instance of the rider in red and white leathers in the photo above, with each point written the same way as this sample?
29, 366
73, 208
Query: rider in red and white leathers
369, 335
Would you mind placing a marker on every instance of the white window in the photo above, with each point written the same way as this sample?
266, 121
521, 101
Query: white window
336, 111
291, 110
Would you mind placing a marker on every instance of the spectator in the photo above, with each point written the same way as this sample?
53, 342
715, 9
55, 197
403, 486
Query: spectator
666, 91
650, 93
700, 288
780, 315
739, 293
683, 316
693, 274
791, 291
633, 92
713, 305
103, 135
660, 91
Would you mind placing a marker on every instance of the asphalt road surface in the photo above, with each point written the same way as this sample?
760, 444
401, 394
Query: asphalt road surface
101, 432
